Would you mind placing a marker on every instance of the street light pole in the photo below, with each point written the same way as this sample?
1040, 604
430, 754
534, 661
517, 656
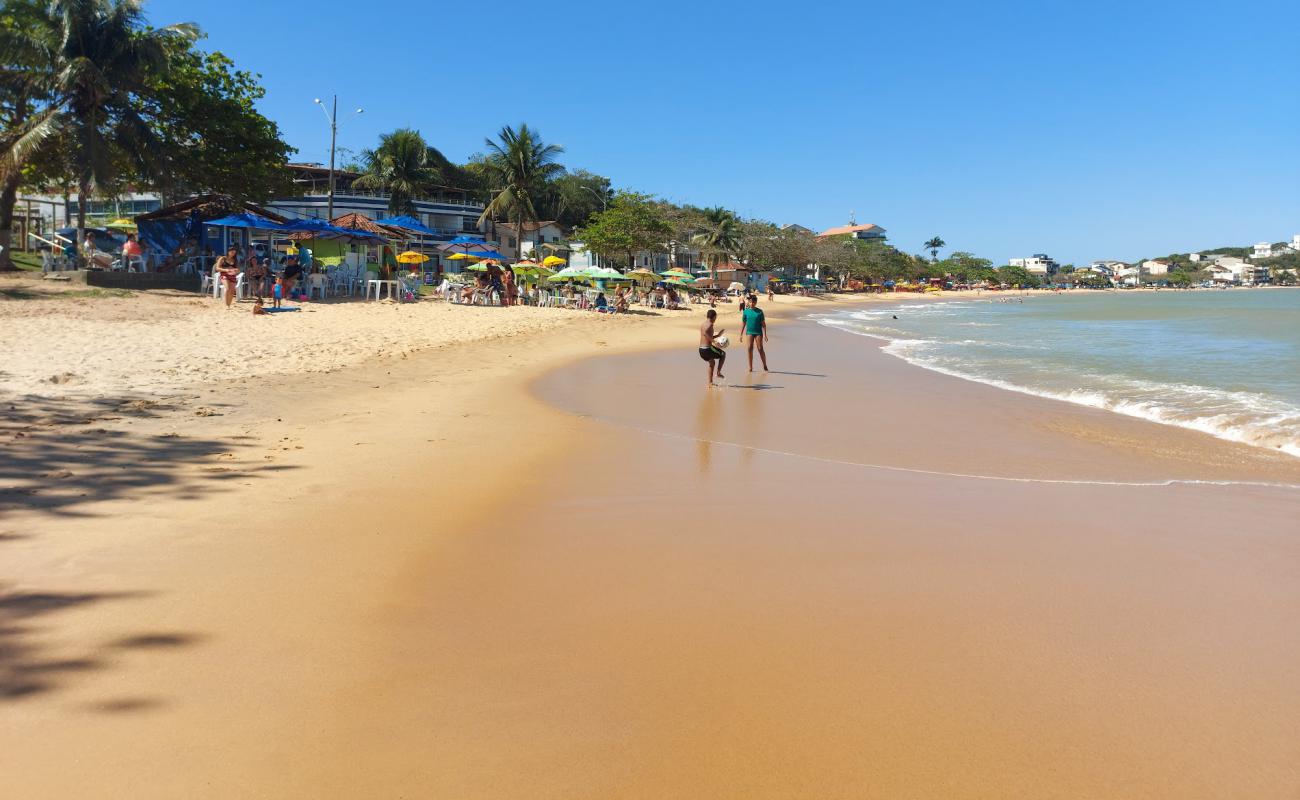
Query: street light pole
334, 135
604, 204
333, 116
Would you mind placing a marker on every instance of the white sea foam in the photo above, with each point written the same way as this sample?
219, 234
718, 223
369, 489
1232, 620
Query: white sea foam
1240, 416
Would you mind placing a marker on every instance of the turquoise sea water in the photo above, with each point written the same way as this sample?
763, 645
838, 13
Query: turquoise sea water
1223, 362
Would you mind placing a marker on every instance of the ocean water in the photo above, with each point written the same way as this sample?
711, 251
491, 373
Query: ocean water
1223, 362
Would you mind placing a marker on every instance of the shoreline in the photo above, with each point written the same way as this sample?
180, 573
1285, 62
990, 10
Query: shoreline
473, 591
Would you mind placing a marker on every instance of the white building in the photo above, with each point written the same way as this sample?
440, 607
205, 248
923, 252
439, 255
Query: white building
1230, 269
1156, 267
1193, 257
1263, 250
1037, 264
535, 235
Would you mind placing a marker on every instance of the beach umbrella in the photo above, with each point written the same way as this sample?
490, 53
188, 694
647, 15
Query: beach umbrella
121, 224
677, 273
736, 286
642, 274
553, 261
411, 257
462, 257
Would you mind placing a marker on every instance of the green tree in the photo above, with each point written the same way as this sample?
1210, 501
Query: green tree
28, 116
632, 223
519, 167
720, 237
575, 196
1018, 276
211, 137
934, 245
106, 59
399, 166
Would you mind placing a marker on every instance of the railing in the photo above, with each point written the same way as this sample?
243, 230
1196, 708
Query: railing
314, 192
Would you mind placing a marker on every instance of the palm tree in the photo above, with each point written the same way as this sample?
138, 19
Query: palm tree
104, 59
400, 165
719, 238
519, 167
934, 246
28, 116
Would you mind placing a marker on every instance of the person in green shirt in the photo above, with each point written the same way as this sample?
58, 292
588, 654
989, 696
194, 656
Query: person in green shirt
755, 330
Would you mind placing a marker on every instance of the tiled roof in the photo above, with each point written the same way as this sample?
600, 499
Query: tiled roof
846, 229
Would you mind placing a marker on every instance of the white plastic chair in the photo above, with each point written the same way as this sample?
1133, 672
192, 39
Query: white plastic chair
219, 287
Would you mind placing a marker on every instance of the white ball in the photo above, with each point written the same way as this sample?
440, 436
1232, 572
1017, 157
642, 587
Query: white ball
722, 341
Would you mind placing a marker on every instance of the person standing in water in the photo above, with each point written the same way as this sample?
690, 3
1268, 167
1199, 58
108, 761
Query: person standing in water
755, 330
709, 351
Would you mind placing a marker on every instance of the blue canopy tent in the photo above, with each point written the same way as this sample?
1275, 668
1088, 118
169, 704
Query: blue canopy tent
407, 223
247, 221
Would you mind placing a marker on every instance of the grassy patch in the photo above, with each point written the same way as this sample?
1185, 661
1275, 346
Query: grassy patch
26, 261
41, 293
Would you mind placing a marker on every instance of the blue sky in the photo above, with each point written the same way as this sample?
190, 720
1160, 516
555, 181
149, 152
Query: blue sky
1084, 130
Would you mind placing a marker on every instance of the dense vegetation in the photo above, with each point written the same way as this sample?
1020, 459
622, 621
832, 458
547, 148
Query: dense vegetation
93, 100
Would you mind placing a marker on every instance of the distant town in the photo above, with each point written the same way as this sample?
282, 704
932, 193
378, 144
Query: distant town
1260, 265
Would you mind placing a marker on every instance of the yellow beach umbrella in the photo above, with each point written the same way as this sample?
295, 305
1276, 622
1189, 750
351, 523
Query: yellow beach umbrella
462, 257
552, 261
122, 224
411, 257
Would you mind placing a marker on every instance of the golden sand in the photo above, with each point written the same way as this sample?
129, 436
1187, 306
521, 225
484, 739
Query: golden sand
505, 569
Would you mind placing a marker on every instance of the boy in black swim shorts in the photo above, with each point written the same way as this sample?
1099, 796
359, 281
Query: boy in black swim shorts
709, 351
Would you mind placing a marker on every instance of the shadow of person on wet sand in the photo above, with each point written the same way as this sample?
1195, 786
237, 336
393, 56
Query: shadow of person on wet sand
55, 458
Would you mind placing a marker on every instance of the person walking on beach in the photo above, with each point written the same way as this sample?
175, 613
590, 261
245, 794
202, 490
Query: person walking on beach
709, 351
228, 268
755, 330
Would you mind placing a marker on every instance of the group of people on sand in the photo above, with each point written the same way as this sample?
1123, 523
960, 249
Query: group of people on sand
258, 276
753, 326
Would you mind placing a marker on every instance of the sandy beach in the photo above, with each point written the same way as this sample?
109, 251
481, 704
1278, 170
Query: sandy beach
431, 551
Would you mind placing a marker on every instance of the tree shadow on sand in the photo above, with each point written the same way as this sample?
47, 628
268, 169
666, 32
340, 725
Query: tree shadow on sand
56, 457
29, 669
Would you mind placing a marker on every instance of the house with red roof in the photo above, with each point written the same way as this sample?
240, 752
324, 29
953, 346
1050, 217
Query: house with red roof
868, 232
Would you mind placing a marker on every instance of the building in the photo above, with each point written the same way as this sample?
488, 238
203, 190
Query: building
1037, 264
450, 212
1230, 269
796, 228
1194, 257
1263, 250
1156, 267
868, 232
535, 236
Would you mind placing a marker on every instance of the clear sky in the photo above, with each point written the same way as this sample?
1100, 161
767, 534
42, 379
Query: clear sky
1085, 130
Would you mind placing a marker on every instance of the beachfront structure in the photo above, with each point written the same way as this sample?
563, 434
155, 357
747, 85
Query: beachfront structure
1230, 269
1037, 264
1263, 250
868, 232
681, 257
1156, 267
536, 236
449, 212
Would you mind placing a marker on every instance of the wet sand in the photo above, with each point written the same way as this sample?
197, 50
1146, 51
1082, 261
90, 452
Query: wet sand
628, 585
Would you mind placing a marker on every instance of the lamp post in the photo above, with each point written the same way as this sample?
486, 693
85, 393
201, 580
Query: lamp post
604, 204
333, 116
